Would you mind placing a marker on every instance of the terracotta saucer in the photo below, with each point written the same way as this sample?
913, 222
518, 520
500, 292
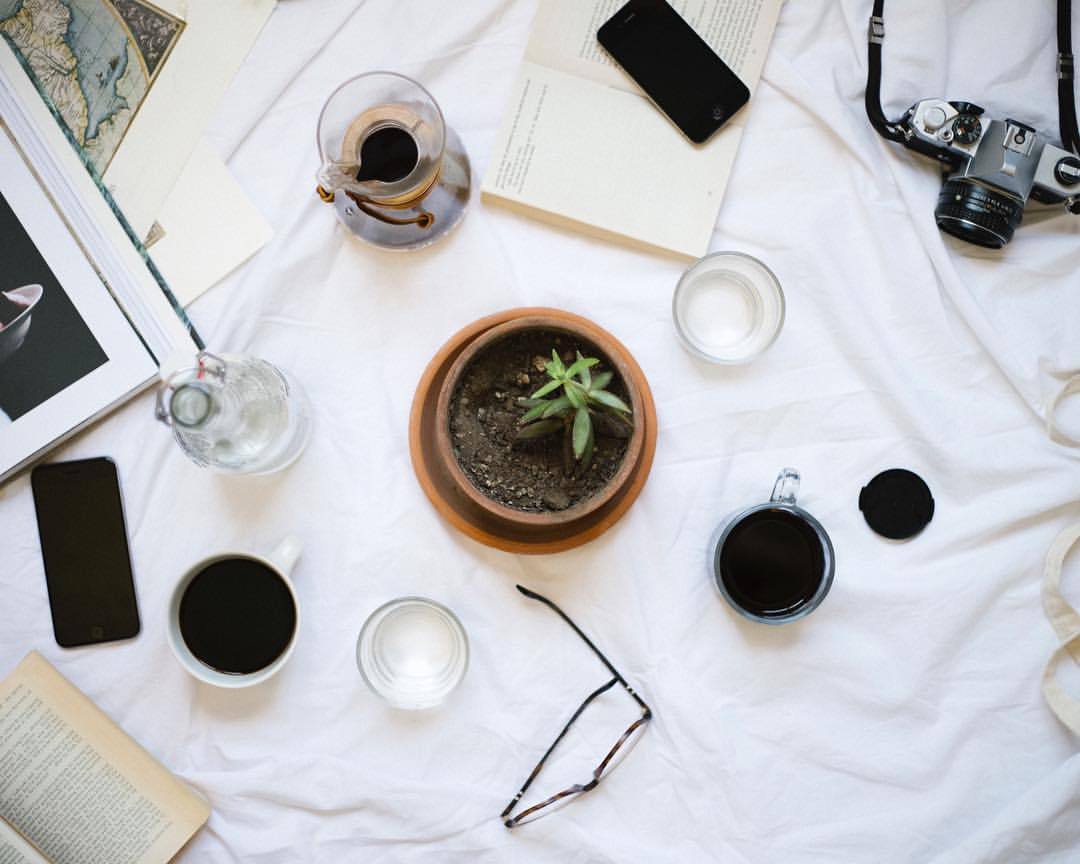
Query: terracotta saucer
473, 521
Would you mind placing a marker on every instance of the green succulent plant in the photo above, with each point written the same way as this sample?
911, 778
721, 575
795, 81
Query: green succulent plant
570, 403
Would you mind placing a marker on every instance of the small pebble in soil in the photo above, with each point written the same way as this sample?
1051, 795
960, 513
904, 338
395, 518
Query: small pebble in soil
556, 499
523, 379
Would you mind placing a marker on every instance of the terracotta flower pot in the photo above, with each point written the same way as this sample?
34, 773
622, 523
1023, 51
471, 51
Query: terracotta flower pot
485, 519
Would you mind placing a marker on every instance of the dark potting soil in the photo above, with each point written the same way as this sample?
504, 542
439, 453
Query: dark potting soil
484, 413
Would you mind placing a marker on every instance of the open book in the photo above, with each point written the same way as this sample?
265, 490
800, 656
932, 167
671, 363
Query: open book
74, 788
580, 143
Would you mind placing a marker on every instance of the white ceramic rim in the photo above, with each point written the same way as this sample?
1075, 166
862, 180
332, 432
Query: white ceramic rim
768, 282
195, 667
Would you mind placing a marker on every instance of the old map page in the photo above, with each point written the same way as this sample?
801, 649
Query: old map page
95, 60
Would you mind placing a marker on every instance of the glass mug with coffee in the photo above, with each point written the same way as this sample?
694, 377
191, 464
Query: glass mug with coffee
397, 175
774, 562
233, 617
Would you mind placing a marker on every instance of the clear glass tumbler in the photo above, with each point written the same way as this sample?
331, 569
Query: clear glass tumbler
728, 308
412, 652
396, 174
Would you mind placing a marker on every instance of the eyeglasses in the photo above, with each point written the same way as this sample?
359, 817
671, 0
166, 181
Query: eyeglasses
623, 745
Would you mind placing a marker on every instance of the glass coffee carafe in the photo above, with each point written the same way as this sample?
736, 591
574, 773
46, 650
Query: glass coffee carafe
396, 174
773, 562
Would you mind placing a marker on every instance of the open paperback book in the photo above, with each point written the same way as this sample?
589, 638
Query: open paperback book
74, 788
102, 104
581, 144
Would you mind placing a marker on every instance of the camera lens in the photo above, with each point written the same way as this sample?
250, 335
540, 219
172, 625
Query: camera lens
977, 213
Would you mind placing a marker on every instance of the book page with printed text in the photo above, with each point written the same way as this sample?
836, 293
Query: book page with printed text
75, 786
580, 144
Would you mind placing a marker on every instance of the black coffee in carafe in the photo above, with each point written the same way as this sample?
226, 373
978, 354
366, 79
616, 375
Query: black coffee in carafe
387, 154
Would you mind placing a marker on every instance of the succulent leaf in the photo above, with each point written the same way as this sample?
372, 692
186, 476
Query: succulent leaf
609, 400
600, 380
547, 388
556, 365
582, 431
558, 407
581, 365
534, 413
539, 429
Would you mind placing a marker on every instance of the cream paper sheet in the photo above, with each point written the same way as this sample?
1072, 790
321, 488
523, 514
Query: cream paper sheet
210, 227
216, 37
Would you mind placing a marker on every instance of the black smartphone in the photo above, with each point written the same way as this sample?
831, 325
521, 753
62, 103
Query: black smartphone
675, 67
84, 546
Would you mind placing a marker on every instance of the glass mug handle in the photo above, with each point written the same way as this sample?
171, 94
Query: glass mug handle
786, 488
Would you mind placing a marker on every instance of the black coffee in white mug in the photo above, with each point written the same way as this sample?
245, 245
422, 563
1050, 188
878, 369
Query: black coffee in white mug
237, 616
774, 562
234, 617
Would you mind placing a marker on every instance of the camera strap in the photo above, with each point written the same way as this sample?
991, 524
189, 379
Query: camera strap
1070, 135
893, 131
876, 36
1053, 428
1066, 623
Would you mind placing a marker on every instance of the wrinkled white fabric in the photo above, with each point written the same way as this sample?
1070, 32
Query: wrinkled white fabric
901, 722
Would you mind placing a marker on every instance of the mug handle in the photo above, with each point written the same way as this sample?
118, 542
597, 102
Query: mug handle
286, 553
786, 487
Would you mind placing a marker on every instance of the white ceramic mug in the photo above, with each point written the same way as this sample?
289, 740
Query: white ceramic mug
281, 561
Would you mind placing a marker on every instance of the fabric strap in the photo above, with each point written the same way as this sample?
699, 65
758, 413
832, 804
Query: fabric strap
1071, 388
1066, 623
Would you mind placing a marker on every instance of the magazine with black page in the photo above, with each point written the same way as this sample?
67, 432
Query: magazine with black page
85, 319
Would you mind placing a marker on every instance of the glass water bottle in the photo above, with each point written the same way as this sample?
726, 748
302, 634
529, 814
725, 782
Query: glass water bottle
235, 414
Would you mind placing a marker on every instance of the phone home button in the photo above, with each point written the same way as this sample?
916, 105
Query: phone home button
97, 632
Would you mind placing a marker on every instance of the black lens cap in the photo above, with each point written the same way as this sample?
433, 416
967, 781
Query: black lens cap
897, 504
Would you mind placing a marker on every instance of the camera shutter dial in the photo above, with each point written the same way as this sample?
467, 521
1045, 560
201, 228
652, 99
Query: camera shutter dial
1067, 171
967, 129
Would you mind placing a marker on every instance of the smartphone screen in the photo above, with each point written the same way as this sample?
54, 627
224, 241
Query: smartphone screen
84, 546
674, 66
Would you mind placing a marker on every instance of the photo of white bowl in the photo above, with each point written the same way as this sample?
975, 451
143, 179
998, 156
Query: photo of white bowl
13, 333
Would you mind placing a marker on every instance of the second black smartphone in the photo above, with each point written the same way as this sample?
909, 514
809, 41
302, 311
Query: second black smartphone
675, 67
84, 546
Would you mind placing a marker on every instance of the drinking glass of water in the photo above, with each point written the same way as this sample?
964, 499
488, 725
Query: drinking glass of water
412, 652
235, 414
396, 174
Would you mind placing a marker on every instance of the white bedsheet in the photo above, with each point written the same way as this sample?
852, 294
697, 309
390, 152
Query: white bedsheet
902, 722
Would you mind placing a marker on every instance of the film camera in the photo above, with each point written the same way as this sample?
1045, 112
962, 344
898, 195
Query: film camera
993, 167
